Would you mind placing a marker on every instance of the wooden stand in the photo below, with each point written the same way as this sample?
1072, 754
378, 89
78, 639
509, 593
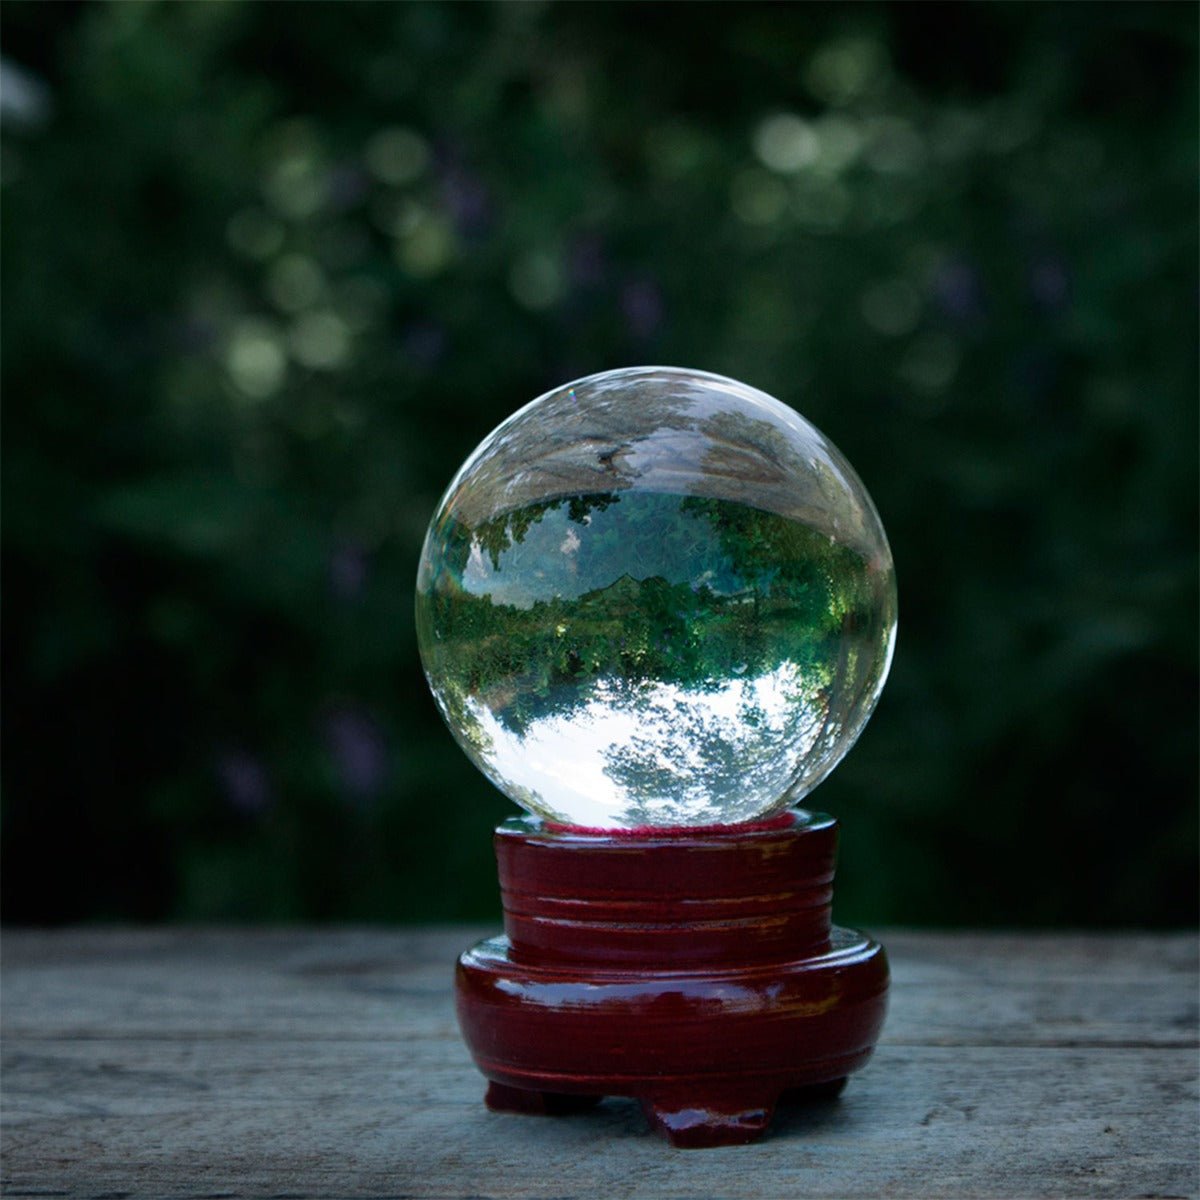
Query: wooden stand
696, 971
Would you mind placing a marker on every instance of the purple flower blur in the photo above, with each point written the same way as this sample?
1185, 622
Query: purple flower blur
347, 185
587, 263
642, 304
359, 754
424, 342
466, 199
1049, 284
958, 291
196, 335
348, 571
244, 781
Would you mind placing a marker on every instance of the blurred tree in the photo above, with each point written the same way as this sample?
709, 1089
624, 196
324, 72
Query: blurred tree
270, 272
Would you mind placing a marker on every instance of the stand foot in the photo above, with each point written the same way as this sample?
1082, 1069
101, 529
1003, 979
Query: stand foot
501, 1098
698, 1124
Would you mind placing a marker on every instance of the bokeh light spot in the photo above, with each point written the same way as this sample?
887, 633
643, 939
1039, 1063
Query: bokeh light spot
255, 359
844, 69
320, 341
894, 146
295, 184
535, 280
786, 143
821, 204
891, 307
840, 139
396, 156
426, 243
931, 363
295, 282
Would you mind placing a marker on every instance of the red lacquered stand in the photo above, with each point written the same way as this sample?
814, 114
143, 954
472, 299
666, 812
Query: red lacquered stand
696, 971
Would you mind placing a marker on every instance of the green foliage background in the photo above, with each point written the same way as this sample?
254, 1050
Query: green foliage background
270, 271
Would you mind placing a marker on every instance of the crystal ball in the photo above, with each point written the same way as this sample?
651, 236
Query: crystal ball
657, 598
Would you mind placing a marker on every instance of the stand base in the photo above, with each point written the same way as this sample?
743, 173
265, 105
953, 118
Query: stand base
694, 971
708, 1053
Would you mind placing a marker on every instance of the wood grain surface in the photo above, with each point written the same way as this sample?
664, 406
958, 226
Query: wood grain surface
306, 1063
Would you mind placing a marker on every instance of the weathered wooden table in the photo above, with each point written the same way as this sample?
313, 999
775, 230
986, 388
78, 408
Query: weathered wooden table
230, 1064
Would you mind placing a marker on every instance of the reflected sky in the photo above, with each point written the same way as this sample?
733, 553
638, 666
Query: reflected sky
666, 430
656, 753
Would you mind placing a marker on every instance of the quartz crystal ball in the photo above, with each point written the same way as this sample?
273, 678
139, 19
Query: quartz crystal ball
656, 598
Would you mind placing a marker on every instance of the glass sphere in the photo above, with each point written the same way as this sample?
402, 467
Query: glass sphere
656, 597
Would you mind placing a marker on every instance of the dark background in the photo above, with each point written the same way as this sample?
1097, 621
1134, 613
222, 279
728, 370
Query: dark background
271, 271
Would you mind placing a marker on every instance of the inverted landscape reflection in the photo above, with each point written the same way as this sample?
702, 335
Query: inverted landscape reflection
634, 658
